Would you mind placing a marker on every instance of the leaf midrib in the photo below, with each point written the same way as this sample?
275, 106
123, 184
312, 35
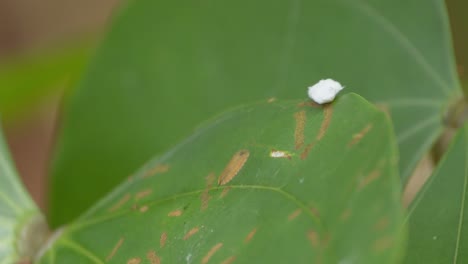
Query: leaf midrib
73, 228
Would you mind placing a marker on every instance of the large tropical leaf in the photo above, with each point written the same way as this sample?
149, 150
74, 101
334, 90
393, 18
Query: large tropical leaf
438, 217
281, 182
167, 65
22, 227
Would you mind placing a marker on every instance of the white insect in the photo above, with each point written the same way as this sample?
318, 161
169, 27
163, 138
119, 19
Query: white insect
324, 91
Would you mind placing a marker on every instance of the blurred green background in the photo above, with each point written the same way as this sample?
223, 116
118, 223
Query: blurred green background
44, 45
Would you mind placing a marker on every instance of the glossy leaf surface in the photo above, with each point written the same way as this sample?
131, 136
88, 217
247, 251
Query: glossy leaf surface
278, 182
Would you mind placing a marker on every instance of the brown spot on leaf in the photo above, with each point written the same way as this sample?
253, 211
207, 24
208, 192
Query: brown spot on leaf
144, 208
229, 260
384, 108
234, 166
382, 244
315, 211
327, 115
374, 175
158, 169
192, 232
382, 224
205, 199
152, 257
309, 103
134, 261
358, 136
250, 235
115, 249
142, 194
210, 179
307, 149
120, 203
162, 240
205, 196
210, 253
225, 192
175, 213
300, 118
294, 214
313, 238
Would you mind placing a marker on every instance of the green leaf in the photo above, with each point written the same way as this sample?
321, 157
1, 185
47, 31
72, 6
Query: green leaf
281, 182
167, 65
438, 217
22, 226
26, 80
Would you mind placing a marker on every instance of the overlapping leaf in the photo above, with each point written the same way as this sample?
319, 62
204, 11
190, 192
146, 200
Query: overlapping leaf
277, 182
16, 212
438, 217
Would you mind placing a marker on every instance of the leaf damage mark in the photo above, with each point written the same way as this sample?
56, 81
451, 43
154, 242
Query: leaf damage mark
384, 108
307, 149
234, 166
142, 194
313, 237
210, 253
300, 118
153, 257
175, 213
144, 209
382, 224
382, 244
374, 175
205, 196
134, 261
314, 211
294, 214
225, 192
327, 116
115, 249
309, 103
271, 100
158, 169
361, 134
229, 260
120, 203
162, 240
192, 232
250, 236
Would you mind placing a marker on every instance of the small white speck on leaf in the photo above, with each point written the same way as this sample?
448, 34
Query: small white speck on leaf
301, 180
434, 237
279, 154
324, 91
188, 258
